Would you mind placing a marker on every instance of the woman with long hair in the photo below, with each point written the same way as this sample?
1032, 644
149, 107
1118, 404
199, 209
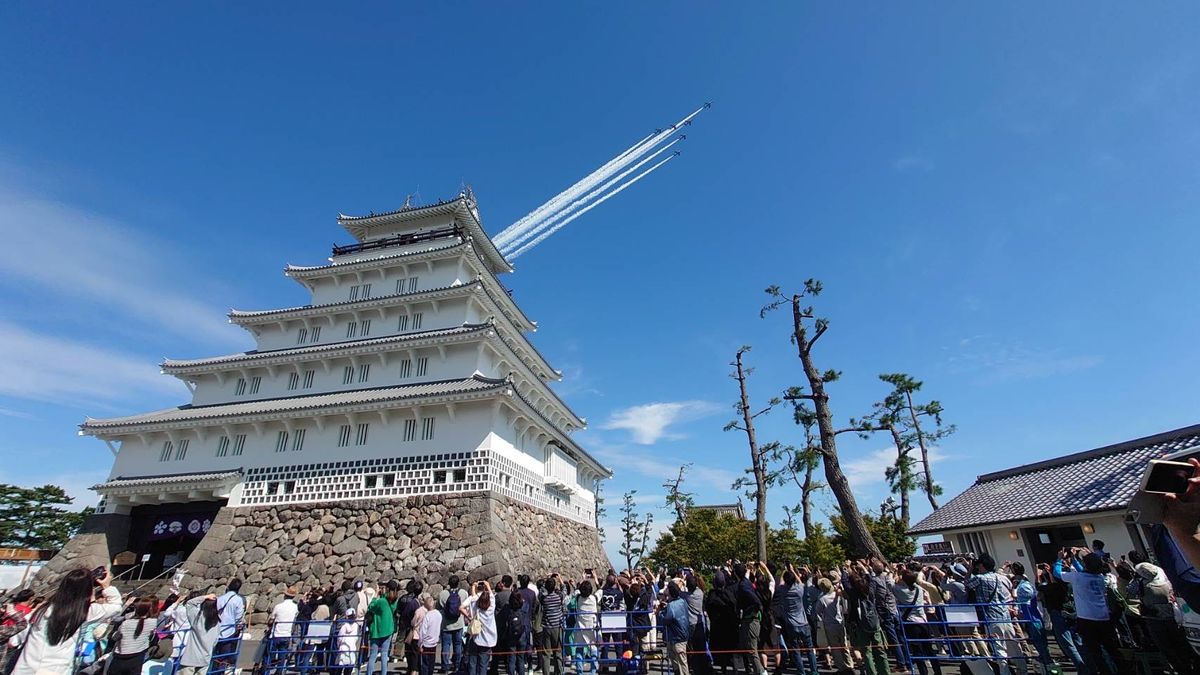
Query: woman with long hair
204, 629
54, 628
479, 649
133, 639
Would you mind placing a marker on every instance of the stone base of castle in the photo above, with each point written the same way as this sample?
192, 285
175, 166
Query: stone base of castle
479, 535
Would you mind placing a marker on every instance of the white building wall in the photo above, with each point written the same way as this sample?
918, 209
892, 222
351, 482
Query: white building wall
422, 315
461, 360
1108, 528
401, 278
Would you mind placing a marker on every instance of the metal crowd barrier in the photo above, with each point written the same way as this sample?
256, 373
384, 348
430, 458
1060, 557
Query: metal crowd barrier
970, 632
607, 638
314, 646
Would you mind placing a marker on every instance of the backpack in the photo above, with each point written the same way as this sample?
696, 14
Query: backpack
515, 627
450, 612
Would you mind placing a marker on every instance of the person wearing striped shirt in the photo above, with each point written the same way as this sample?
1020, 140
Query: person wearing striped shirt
552, 602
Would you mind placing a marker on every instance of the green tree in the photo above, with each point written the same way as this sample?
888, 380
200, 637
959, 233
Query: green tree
888, 532
820, 550
917, 424
678, 500
34, 517
635, 531
759, 454
704, 540
806, 329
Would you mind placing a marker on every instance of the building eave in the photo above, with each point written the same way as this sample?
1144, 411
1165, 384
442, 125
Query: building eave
334, 268
327, 404
919, 531
360, 226
563, 437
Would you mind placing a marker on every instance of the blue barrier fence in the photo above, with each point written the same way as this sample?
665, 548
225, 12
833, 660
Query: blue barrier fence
998, 631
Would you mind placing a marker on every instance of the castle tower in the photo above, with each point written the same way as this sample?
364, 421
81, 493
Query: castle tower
400, 424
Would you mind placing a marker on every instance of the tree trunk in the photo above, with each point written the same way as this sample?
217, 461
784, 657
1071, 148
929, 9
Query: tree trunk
756, 463
924, 454
860, 536
904, 477
806, 500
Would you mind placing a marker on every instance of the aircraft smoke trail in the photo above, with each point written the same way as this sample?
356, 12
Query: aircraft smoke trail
563, 213
507, 233
586, 184
589, 207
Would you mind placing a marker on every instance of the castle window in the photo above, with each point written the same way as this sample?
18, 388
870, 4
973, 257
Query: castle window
303, 335
361, 437
402, 325
370, 481
293, 381
298, 440
427, 429
347, 374
365, 327
422, 366
281, 441
223, 446
439, 477
352, 329
410, 430
344, 436
239, 444
240, 388
181, 450
167, 449
460, 475
255, 383
416, 321
389, 480
406, 368
315, 333
364, 371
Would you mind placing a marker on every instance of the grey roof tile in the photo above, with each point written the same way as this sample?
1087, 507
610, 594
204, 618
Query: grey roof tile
1095, 480
203, 476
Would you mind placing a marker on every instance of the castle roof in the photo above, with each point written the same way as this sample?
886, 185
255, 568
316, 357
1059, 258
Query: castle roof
462, 207
356, 400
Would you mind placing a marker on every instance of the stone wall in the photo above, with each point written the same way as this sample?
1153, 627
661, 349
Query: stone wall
476, 536
101, 537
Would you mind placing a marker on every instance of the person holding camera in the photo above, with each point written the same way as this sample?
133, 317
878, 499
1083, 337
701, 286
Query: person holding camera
480, 612
49, 642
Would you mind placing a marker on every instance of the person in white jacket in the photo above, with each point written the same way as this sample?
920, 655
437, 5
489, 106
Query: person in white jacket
54, 630
349, 633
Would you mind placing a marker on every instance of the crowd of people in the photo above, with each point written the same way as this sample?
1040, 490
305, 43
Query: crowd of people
752, 618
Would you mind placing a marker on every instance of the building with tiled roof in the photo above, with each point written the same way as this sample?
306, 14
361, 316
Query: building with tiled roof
1027, 513
408, 376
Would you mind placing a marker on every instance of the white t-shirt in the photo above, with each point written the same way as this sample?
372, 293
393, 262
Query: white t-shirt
39, 657
284, 618
430, 631
487, 618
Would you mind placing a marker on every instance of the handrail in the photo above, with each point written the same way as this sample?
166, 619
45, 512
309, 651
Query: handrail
147, 582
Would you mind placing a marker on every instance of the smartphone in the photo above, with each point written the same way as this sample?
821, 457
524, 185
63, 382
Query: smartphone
1165, 477
99, 573
587, 570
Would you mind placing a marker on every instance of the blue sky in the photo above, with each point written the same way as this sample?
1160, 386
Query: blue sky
1001, 200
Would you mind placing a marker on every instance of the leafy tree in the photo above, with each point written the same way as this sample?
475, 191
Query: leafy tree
820, 550
807, 329
912, 422
34, 517
635, 532
890, 534
798, 466
706, 539
759, 454
678, 500
899, 475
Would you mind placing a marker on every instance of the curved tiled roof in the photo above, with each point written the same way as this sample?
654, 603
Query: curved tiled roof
403, 209
367, 302
1103, 479
467, 329
304, 270
167, 479
358, 397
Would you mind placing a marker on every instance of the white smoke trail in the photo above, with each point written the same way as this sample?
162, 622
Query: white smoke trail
589, 207
586, 184
563, 213
547, 207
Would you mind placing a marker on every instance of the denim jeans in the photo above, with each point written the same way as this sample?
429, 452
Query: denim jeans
380, 647
427, 657
798, 641
890, 625
1065, 635
478, 659
452, 645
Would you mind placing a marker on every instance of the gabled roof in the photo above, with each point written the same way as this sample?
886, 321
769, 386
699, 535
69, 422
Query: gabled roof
1103, 479
462, 207
293, 406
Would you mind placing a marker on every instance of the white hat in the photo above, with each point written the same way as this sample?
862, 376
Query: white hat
349, 611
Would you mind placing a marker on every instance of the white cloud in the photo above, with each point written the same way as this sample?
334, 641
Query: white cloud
866, 472
85, 257
47, 368
994, 360
649, 423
